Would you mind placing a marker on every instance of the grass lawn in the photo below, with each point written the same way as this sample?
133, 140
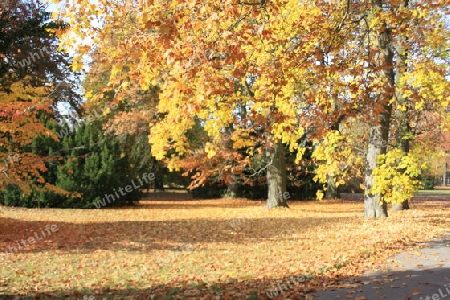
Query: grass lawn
209, 249
440, 192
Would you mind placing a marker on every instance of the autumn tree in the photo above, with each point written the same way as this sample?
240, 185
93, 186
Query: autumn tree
392, 42
125, 114
28, 52
408, 51
211, 58
32, 74
288, 63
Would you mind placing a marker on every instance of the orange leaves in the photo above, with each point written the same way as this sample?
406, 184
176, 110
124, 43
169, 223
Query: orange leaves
19, 124
152, 24
167, 29
190, 247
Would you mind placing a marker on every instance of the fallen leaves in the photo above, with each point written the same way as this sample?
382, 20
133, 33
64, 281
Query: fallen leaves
189, 249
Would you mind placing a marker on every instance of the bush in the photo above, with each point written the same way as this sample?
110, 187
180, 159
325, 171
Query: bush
92, 164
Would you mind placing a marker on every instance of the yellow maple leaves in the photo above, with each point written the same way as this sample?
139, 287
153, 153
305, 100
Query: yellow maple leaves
396, 176
335, 158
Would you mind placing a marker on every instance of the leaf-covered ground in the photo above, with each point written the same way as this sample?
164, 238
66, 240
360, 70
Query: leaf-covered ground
209, 249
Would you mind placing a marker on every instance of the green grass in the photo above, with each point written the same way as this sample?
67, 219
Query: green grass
434, 192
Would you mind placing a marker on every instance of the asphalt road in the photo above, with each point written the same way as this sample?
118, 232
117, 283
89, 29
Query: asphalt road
414, 275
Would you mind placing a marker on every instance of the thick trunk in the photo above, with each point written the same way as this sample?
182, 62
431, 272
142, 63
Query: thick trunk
233, 184
402, 114
232, 188
400, 206
332, 190
276, 177
374, 207
404, 146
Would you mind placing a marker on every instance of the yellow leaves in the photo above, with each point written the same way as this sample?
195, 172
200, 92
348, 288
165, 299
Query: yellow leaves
335, 159
395, 176
401, 107
319, 195
115, 71
211, 150
231, 47
419, 105
76, 63
239, 143
88, 95
419, 12
106, 111
425, 86
202, 55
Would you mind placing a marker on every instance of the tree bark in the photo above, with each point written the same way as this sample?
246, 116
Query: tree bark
159, 178
374, 207
276, 177
444, 177
332, 190
404, 146
232, 188
400, 206
402, 115
159, 184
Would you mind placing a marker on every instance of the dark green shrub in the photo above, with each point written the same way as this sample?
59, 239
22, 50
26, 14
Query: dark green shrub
427, 182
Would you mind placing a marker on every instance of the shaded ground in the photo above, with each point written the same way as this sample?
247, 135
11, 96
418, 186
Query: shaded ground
169, 194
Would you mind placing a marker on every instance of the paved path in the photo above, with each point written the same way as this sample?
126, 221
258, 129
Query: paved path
415, 275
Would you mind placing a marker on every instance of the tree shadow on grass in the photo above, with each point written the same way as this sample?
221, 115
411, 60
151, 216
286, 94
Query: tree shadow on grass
150, 235
182, 204
394, 285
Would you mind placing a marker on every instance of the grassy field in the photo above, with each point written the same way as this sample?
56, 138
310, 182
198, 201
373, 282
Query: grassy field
210, 249
439, 192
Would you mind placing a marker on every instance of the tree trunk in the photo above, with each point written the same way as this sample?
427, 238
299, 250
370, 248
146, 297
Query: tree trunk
232, 188
159, 184
159, 178
400, 206
444, 177
332, 190
402, 115
374, 207
276, 177
404, 146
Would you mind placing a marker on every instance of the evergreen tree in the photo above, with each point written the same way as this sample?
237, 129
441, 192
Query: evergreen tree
93, 167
